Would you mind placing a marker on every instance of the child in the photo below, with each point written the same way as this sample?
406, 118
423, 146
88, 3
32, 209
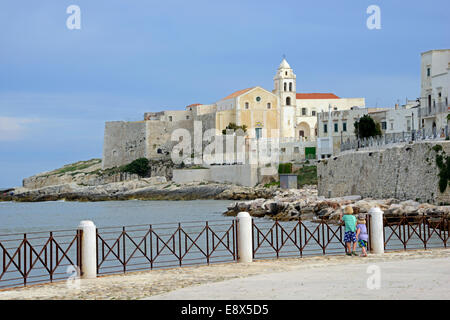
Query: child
361, 234
350, 229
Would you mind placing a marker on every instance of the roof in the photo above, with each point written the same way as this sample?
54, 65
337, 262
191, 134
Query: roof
317, 96
237, 93
284, 65
194, 105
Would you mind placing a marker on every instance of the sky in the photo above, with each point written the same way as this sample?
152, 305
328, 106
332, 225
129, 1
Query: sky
58, 86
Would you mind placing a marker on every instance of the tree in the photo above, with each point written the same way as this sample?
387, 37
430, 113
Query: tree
234, 127
366, 127
139, 166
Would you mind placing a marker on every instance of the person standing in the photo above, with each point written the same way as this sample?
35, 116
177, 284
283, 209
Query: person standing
350, 230
361, 234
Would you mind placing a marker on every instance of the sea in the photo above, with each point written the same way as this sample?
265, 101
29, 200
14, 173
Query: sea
21, 217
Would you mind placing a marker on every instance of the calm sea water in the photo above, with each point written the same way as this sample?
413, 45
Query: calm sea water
18, 217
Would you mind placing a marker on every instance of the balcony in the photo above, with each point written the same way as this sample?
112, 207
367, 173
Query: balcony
431, 111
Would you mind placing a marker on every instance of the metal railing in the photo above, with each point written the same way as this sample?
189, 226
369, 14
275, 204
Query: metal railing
391, 139
41, 257
38, 257
412, 232
433, 110
166, 245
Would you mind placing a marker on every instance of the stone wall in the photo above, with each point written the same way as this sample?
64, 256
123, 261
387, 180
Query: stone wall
401, 172
123, 143
191, 175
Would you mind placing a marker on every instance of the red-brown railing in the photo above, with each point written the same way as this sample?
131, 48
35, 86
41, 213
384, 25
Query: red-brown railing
299, 238
38, 257
166, 245
413, 232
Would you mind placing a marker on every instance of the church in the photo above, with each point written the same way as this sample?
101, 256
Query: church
281, 113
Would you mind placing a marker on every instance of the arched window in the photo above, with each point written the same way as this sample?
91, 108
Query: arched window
285, 86
290, 86
288, 101
269, 105
246, 105
304, 111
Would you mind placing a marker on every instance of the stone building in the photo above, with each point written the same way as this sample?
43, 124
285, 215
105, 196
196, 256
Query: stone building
281, 113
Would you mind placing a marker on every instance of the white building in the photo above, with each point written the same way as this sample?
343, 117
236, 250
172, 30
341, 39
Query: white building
435, 83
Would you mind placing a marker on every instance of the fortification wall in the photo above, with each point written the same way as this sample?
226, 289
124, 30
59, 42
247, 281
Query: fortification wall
123, 143
401, 172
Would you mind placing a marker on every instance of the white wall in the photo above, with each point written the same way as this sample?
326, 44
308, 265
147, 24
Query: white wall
245, 174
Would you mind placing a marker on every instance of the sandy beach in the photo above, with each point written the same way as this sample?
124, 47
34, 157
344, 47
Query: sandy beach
418, 274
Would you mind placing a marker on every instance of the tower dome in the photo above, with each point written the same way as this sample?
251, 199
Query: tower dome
284, 64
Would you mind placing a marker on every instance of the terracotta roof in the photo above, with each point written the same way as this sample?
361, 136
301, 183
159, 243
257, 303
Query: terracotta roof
317, 96
237, 93
194, 105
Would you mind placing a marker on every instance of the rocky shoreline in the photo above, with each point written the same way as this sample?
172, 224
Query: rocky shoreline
305, 204
154, 188
271, 203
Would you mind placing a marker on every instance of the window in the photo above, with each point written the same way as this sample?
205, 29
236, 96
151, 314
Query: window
383, 125
285, 73
335, 108
187, 117
392, 125
408, 125
344, 126
246, 105
269, 105
303, 111
170, 118
258, 133
283, 150
313, 113
258, 99
290, 86
301, 133
336, 127
288, 101
428, 72
296, 150
285, 84
325, 128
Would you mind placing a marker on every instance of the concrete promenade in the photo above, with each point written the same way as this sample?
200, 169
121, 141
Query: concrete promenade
421, 274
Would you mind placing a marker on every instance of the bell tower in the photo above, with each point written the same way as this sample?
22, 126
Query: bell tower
286, 89
285, 84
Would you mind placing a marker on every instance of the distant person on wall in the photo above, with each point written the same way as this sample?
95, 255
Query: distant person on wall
361, 234
350, 230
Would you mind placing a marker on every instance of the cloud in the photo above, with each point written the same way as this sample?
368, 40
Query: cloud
13, 129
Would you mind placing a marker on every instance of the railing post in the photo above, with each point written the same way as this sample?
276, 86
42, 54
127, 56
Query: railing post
88, 249
376, 230
245, 243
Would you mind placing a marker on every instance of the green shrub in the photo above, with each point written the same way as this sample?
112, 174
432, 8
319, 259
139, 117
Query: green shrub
139, 166
285, 168
271, 184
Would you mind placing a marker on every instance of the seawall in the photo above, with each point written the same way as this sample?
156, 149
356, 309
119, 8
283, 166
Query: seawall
402, 172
